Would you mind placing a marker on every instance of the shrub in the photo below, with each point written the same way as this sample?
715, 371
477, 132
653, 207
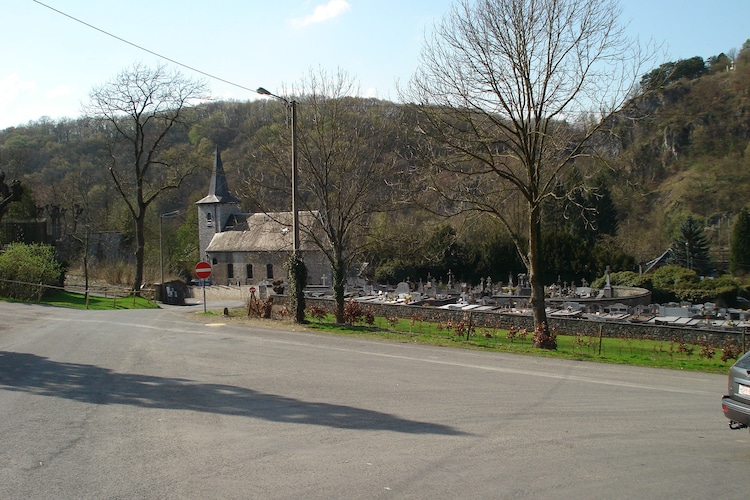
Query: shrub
544, 339
707, 350
317, 312
730, 350
257, 308
622, 278
671, 277
355, 313
23, 267
512, 332
673, 283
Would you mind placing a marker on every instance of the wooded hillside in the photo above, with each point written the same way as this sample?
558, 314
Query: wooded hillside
682, 147
685, 149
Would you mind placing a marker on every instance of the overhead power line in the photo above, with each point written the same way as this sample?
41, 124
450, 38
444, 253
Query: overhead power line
139, 47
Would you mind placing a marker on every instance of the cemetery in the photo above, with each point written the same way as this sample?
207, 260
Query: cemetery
613, 311
247, 252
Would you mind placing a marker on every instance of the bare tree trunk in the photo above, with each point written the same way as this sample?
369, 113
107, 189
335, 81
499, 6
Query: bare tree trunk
140, 246
339, 282
538, 306
140, 233
535, 272
86, 260
8, 194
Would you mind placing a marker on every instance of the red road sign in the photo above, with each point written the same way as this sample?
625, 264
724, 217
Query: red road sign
203, 270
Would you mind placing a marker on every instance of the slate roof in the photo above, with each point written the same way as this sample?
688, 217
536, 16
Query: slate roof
263, 232
659, 261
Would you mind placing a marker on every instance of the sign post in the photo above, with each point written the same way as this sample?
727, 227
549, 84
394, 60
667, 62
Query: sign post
203, 271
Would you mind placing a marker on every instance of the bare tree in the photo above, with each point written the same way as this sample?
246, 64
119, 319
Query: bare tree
513, 91
8, 194
140, 110
343, 166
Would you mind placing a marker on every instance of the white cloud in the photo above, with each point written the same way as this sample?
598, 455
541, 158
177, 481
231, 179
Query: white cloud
22, 101
60, 91
11, 86
13, 92
322, 13
223, 95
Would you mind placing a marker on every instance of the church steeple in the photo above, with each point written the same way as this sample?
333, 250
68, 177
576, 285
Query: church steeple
218, 191
215, 209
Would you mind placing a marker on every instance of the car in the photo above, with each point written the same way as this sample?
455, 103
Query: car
736, 403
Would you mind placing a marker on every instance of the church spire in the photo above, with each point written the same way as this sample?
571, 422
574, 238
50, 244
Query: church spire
218, 191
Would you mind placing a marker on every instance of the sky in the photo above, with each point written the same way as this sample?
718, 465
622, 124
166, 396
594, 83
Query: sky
49, 62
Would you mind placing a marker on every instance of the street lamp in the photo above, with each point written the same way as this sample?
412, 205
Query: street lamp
173, 213
297, 270
295, 215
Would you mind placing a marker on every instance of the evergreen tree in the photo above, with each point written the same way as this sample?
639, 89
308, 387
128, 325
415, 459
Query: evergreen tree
691, 249
739, 252
606, 212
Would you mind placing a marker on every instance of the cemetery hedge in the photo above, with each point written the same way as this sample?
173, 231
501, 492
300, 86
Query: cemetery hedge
677, 284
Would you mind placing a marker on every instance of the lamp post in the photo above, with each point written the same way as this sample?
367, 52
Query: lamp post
297, 270
173, 213
295, 215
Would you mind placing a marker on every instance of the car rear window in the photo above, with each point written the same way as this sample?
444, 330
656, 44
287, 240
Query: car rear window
744, 361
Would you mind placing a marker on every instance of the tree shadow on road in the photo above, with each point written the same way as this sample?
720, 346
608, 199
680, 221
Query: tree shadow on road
96, 385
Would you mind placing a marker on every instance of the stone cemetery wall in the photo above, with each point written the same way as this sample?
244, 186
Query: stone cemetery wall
566, 326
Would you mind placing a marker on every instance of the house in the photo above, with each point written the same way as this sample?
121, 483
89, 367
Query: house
658, 262
253, 248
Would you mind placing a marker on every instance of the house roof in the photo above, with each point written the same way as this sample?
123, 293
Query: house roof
218, 191
266, 232
658, 262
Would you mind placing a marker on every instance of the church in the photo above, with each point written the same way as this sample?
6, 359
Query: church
253, 248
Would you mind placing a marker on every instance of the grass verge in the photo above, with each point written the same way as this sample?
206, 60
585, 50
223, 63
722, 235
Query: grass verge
674, 355
62, 298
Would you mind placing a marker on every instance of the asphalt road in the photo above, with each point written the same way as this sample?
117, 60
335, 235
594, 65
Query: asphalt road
163, 404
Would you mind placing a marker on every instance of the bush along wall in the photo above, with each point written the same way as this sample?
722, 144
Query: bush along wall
23, 268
